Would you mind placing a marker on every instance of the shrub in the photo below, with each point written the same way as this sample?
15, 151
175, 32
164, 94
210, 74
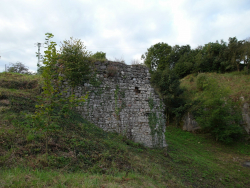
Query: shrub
75, 62
201, 81
100, 56
221, 120
218, 114
191, 79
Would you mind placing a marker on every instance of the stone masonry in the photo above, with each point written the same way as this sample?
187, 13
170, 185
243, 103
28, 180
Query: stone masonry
122, 100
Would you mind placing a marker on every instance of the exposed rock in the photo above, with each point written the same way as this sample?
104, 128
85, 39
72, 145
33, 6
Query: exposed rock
246, 164
189, 123
246, 117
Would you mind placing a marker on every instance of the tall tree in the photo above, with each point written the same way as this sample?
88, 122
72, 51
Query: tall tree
245, 55
157, 57
74, 59
18, 67
168, 84
177, 52
234, 52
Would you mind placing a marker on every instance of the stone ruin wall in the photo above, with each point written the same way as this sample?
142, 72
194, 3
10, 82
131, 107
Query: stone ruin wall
122, 100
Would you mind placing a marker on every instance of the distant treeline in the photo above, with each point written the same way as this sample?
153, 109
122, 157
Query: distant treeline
212, 57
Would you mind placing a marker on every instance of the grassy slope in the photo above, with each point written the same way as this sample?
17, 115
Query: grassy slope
237, 83
82, 155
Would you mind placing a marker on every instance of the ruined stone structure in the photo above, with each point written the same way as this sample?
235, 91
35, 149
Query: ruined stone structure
122, 100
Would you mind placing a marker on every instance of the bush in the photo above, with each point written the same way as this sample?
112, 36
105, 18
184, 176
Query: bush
221, 120
218, 114
201, 81
100, 56
75, 62
191, 79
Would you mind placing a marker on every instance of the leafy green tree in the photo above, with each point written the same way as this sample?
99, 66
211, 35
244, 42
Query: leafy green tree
18, 67
198, 59
47, 117
176, 53
225, 64
157, 57
234, 53
245, 55
209, 59
168, 84
184, 66
74, 62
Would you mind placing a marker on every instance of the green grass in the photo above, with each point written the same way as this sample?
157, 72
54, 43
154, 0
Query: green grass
236, 82
198, 158
83, 155
41, 178
18, 88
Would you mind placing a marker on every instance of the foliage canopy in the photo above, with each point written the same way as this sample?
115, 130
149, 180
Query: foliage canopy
18, 67
74, 61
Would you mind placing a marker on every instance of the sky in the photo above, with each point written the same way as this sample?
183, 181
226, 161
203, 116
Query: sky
123, 29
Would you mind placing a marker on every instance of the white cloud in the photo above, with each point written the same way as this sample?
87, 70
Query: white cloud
119, 28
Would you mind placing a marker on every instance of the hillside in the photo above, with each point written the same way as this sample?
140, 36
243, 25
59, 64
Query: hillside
83, 155
237, 84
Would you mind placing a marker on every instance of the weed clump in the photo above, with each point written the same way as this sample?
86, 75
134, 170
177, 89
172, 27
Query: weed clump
111, 71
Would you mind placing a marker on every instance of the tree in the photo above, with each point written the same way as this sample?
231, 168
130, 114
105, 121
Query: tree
157, 57
245, 56
100, 56
74, 61
184, 66
177, 52
198, 59
234, 52
168, 84
18, 67
52, 103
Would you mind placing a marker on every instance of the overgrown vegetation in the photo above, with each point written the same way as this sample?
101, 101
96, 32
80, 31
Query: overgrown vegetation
213, 107
74, 62
212, 57
99, 56
112, 71
82, 155
18, 67
51, 106
168, 85
217, 113
56, 147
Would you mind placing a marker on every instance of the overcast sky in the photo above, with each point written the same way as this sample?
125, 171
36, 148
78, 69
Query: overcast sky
123, 29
